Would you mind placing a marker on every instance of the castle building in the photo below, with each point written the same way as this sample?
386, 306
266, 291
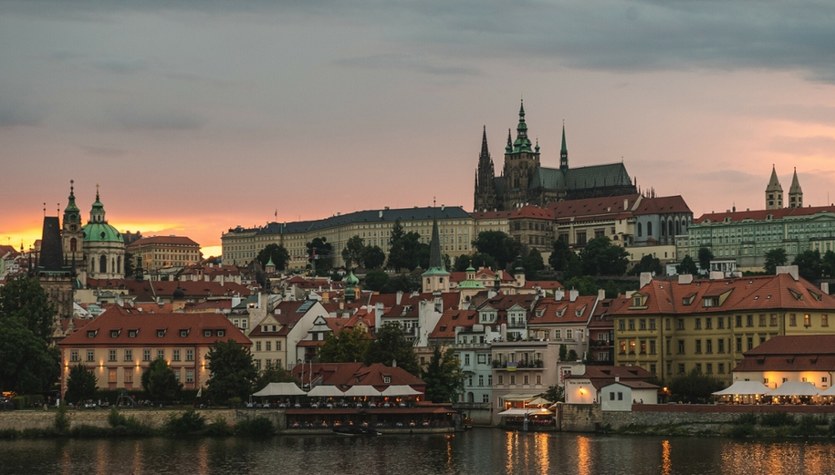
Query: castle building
524, 180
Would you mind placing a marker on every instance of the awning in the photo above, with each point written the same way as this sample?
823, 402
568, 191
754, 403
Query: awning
325, 391
539, 401
400, 390
518, 411
744, 388
518, 397
830, 391
280, 389
362, 390
795, 388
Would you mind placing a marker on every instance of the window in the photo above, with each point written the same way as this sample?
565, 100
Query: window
189, 354
161, 354
278, 345
128, 355
807, 320
269, 345
792, 320
111, 375
739, 344
652, 347
569, 335
681, 347
482, 359
538, 379
698, 324
620, 394
721, 368
824, 320
772, 320
176, 355
652, 324
631, 324
524, 380
708, 346
207, 333
501, 380
91, 356
698, 346
720, 345
466, 359
189, 376
721, 323
709, 368
681, 368
750, 342
111, 355
257, 346
221, 332
183, 333
680, 324
708, 323
74, 355
621, 326
642, 324
114, 333
612, 396
762, 319
128, 376
480, 380
739, 321
133, 333
512, 380
160, 333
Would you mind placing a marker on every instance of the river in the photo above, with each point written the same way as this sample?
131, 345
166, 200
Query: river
480, 451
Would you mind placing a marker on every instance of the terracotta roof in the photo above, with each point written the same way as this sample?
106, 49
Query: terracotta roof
611, 206
166, 289
746, 293
549, 311
346, 375
791, 353
119, 326
762, 214
445, 329
662, 204
601, 376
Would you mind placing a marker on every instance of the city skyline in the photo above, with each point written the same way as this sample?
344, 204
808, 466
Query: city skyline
194, 118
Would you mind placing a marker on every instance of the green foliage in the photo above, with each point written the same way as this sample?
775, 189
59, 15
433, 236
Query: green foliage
808, 264
346, 347
773, 259
746, 419
531, 261
373, 257
219, 428
687, 266
233, 372
601, 257
255, 427
402, 283
705, 256
694, 387
376, 280
828, 264
561, 255
443, 376
808, 425
497, 244
277, 253
122, 425
776, 419
273, 374
572, 355
352, 253
27, 363
160, 382
563, 352
320, 255
188, 422
62, 420
554, 394
81, 384
648, 263
742, 431
406, 251
390, 345
585, 285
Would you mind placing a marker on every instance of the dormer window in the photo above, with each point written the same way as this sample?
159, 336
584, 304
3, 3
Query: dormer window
710, 301
92, 333
183, 333
160, 333
115, 333
386, 379
207, 333
221, 332
133, 333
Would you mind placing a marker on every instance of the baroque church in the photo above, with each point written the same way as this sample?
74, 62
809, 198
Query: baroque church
524, 180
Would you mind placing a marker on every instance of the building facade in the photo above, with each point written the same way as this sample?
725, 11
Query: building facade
155, 253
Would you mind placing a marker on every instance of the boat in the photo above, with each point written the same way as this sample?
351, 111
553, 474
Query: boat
354, 431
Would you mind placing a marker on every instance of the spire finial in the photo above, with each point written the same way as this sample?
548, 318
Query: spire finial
44, 209
72, 186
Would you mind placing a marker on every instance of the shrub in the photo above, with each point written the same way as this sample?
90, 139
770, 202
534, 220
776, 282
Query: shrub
776, 419
9, 434
219, 428
807, 425
126, 425
186, 423
746, 419
62, 420
255, 427
742, 431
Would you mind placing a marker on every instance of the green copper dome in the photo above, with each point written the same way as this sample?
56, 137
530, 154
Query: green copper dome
351, 279
101, 232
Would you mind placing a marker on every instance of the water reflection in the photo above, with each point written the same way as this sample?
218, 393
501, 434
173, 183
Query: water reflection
583, 455
666, 460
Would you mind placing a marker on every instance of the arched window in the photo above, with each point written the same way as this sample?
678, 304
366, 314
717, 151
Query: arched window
649, 229
640, 230
664, 229
103, 264
73, 245
119, 265
678, 227
671, 229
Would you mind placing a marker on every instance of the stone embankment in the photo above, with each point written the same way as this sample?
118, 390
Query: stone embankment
154, 418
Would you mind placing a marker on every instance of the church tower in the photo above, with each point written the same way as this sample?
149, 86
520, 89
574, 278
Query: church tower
485, 186
521, 162
72, 237
104, 246
774, 192
563, 152
436, 278
795, 193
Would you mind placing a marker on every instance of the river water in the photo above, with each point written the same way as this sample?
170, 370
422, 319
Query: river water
480, 451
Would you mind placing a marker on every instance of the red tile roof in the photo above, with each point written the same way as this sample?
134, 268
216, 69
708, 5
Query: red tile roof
762, 214
346, 375
445, 329
168, 240
611, 206
662, 205
549, 311
791, 353
166, 289
119, 326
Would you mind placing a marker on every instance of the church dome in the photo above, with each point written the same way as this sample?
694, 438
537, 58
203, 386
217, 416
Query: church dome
101, 232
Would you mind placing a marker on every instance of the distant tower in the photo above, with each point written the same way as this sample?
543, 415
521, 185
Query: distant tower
436, 278
104, 247
795, 192
521, 162
72, 236
563, 152
485, 186
774, 192
53, 275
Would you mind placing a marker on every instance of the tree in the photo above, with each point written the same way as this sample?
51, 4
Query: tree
808, 264
553, 394
561, 254
402, 283
373, 257
601, 257
24, 298
503, 248
443, 376
391, 346
160, 382
828, 264
376, 280
320, 254
407, 252
705, 256
348, 346
233, 372
531, 261
278, 254
27, 362
81, 384
585, 285
773, 259
694, 387
273, 374
648, 263
687, 266
353, 252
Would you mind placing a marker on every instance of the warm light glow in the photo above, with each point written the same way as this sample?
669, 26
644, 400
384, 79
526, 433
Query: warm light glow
666, 460
583, 455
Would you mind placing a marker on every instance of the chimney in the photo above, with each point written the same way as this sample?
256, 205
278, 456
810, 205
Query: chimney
601, 294
626, 204
717, 275
685, 279
573, 294
825, 287
617, 379
399, 297
559, 294
791, 270
646, 278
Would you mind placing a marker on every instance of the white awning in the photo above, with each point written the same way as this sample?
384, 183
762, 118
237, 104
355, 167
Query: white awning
830, 391
518, 397
795, 388
518, 411
362, 390
744, 388
325, 391
400, 390
280, 389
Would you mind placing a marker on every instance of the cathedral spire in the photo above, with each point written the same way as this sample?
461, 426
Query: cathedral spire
774, 191
522, 142
509, 147
795, 192
563, 151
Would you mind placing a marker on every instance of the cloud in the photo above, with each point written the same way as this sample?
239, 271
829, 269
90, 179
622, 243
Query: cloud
154, 120
16, 114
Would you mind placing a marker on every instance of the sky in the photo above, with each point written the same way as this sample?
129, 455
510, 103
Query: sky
193, 117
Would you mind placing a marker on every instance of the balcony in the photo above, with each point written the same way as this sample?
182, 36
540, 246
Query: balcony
518, 365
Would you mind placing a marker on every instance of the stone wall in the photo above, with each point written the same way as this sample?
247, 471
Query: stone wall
156, 418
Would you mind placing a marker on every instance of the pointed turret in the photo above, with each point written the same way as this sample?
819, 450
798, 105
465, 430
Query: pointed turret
436, 278
774, 191
485, 188
522, 142
509, 147
563, 151
795, 192
71, 234
97, 210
